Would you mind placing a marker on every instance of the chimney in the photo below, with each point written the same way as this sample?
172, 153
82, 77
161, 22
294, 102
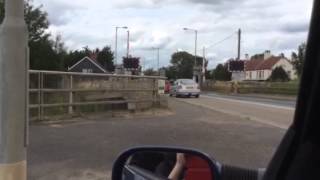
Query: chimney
267, 54
246, 56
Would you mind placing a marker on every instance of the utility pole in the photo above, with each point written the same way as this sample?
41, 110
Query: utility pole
195, 48
128, 43
14, 92
239, 44
203, 65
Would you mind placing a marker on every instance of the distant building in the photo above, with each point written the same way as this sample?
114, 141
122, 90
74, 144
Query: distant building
87, 65
260, 67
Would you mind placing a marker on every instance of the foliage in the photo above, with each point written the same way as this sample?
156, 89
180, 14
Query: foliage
37, 22
131, 62
221, 73
1, 11
150, 72
209, 74
171, 72
105, 58
183, 63
279, 74
74, 56
45, 53
298, 59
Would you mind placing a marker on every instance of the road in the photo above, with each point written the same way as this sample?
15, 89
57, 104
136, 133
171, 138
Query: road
86, 149
277, 113
274, 100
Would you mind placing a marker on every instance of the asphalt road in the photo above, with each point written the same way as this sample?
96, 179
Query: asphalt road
85, 150
262, 111
276, 101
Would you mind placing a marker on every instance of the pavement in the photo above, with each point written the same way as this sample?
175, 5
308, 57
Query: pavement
86, 149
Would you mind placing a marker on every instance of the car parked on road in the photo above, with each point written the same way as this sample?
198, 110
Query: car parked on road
186, 88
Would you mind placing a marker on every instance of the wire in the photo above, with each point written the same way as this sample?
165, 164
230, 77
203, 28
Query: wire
219, 42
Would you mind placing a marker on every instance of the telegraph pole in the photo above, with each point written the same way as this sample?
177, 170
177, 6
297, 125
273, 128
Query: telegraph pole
239, 44
14, 94
203, 65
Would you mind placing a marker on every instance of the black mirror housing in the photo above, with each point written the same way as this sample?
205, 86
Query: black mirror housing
144, 163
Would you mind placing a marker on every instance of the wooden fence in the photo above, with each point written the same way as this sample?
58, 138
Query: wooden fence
66, 92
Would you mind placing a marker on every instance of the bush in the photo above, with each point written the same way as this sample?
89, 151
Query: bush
279, 74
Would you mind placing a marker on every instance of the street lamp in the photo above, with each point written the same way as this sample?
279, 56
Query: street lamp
158, 58
116, 43
195, 43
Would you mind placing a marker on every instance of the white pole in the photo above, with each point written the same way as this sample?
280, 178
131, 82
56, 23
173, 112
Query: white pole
116, 46
13, 88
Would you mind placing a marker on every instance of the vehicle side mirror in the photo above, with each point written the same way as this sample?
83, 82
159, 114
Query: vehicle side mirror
170, 163
160, 163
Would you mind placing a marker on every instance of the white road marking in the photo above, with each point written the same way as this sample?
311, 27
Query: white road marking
252, 103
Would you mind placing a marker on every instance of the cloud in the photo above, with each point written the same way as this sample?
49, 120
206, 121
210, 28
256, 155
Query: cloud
279, 25
60, 12
295, 27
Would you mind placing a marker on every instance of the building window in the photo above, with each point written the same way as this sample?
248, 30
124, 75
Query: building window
87, 70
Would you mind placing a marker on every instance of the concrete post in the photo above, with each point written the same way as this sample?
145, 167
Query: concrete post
70, 109
13, 92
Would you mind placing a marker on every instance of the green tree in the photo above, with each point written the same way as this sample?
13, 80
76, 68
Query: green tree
183, 62
1, 11
279, 74
43, 55
299, 58
105, 58
221, 73
171, 72
150, 72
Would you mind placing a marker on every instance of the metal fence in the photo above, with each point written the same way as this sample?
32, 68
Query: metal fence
53, 92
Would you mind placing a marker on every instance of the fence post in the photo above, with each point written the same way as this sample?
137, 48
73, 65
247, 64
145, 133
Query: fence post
41, 95
70, 109
155, 89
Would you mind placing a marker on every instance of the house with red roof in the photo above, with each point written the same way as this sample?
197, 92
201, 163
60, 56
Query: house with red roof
260, 67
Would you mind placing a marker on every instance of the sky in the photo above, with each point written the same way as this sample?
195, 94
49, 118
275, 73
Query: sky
278, 25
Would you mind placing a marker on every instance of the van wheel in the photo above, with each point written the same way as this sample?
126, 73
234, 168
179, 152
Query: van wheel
197, 96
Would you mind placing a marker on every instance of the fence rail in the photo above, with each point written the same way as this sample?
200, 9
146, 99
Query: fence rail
72, 89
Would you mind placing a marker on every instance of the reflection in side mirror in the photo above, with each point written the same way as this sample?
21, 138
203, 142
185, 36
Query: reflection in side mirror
164, 164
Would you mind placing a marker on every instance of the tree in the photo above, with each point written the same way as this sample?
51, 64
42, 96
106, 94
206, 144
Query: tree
1, 11
279, 74
150, 72
105, 58
171, 72
209, 74
298, 59
73, 57
221, 73
43, 54
183, 63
